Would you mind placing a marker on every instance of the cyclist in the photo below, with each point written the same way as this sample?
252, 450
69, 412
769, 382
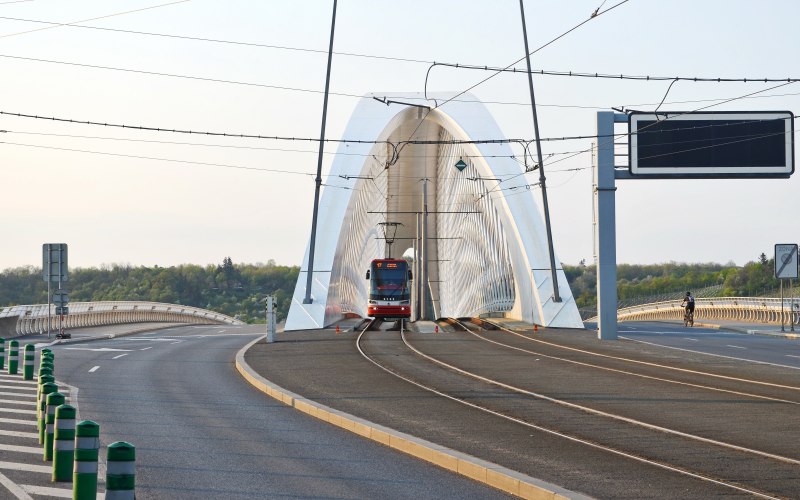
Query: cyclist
688, 305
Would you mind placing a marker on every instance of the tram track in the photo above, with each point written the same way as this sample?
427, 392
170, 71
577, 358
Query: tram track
724, 464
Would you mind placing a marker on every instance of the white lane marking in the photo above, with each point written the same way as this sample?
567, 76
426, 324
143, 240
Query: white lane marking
793, 356
31, 435
15, 378
178, 342
119, 356
93, 369
146, 348
22, 449
15, 490
17, 422
693, 340
18, 382
710, 354
27, 467
95, 349
14, 410
19, 394
17, 402
50, 492
15, 387
735, 346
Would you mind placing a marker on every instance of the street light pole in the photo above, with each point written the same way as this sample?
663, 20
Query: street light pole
310, 270
554, 274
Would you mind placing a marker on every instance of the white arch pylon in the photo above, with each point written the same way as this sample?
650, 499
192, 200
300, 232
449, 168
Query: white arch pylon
488, 250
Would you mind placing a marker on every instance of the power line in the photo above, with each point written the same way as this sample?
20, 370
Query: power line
618, 76
594, 15
175, 75
139, 157
56, 25
213, 40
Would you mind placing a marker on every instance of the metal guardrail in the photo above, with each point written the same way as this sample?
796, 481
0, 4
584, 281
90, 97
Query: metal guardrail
33, 318
747, 309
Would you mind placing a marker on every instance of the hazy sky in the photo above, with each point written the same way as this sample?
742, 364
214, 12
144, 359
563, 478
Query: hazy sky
147, 198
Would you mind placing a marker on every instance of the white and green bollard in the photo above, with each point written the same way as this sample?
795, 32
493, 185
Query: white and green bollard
13, 357
121, 471
2, 353
27, 369
47, 388
54, 400
64, 443
84, 472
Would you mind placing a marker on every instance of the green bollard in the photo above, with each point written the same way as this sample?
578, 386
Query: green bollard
84, 475
43, 379
121, 471
2, 353
54, 400
27, 369
13, 357
64, 443
47, 389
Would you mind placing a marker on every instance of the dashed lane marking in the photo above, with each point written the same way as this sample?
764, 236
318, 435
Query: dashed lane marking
31, 435
93, 369
36, 450
146, 348
119, 356
693, 340
792, 356
735, 346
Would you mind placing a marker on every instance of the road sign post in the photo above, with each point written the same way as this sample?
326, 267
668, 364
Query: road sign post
54, 270
680, 146
786, 268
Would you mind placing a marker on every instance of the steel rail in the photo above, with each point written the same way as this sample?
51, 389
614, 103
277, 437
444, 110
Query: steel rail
547, 430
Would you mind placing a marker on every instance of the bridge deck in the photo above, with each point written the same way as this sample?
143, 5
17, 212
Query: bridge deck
327, 368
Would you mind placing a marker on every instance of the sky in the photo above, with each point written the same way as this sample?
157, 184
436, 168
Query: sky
121, 196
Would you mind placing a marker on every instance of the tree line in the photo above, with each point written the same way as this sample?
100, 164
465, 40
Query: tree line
754, 279
238, 290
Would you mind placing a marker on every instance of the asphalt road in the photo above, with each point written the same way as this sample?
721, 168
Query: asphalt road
756, 348
201, 431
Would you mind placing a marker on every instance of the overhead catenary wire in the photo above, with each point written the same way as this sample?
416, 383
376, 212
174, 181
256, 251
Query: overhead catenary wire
594, 15
619, 76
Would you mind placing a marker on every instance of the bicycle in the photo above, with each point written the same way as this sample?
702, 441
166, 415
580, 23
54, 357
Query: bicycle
688, 317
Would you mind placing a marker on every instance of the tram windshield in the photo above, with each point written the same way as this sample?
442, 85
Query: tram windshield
389, 281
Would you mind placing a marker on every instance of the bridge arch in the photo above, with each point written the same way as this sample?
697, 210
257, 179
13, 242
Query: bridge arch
487, 250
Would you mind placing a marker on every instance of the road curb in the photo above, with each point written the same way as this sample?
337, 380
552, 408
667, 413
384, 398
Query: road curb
493, 475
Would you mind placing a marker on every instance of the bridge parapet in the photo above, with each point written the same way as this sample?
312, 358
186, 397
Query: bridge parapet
27, 319
747, 309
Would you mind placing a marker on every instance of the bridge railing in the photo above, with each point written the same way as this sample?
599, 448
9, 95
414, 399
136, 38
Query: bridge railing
33, 318
746, 309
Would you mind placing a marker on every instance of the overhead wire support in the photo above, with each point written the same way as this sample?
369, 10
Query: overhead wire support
318, 179
542, 185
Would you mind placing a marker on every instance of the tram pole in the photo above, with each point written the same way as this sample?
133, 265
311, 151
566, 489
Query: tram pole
553, 272
318, 180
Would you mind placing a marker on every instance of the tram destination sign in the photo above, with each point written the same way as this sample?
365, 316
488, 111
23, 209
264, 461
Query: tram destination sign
736, 144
